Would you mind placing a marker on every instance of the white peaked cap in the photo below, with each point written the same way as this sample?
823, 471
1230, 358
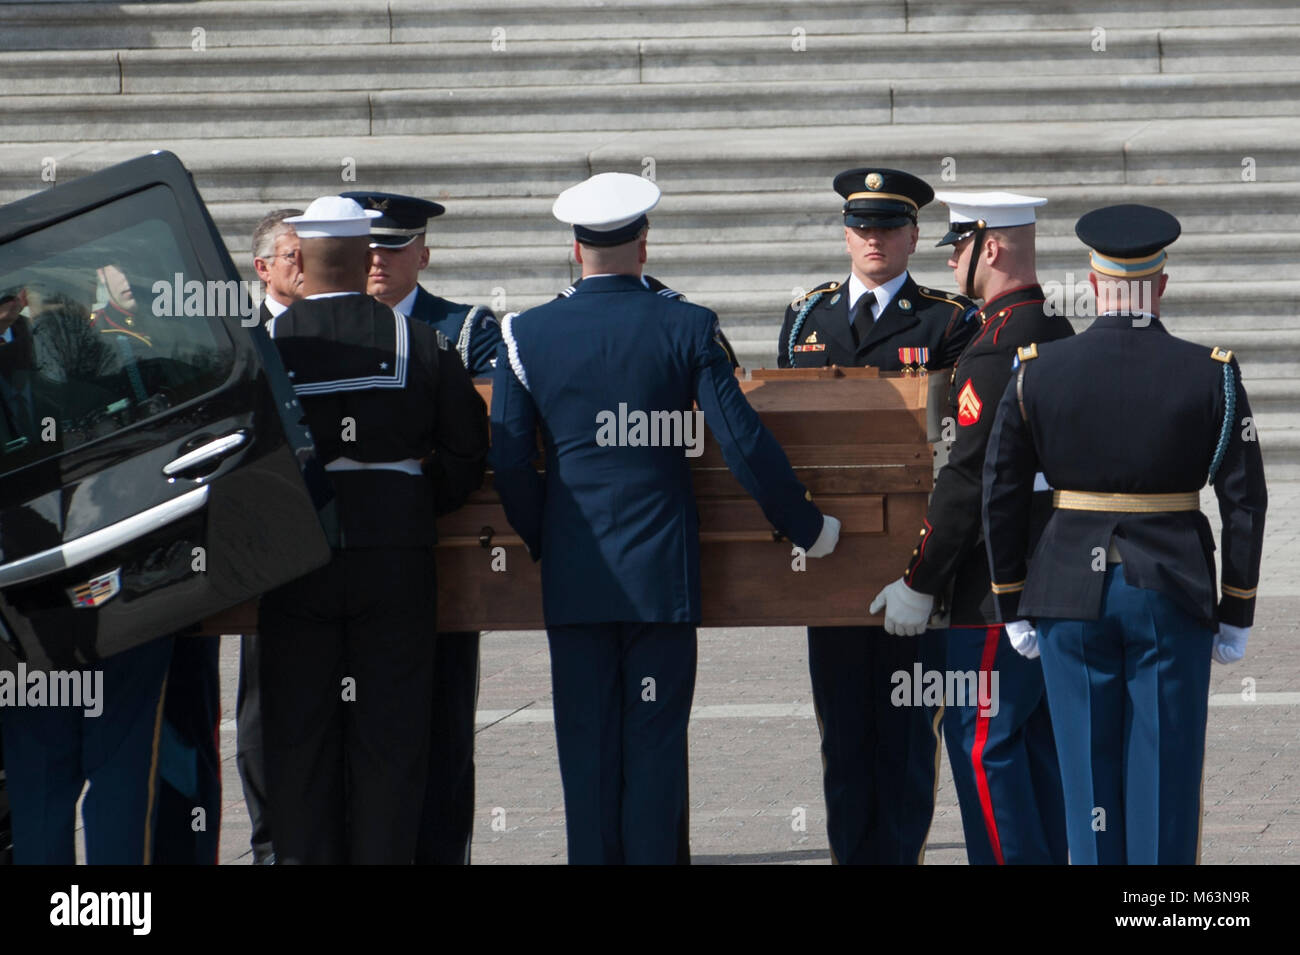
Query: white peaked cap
606, 202
333, 217
999, 210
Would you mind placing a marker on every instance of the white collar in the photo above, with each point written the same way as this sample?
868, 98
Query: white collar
331, 294
273, 305
884, 293
407, 304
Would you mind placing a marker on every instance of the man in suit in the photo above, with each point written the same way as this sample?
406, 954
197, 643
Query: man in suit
347, 651
275, 259
1121, 586
397, 255
880, 762
614, 521
999, 737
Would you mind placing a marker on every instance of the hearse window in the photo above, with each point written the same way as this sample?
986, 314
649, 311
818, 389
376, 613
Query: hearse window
91, 341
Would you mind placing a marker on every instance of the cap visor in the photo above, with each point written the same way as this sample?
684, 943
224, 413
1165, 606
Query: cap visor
390, 241
859, 221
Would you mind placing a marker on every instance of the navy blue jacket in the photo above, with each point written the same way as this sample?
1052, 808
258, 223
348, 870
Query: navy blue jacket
472, 330
1124, 408
615, 525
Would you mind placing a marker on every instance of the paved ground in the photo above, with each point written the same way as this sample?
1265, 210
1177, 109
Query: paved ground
754, 745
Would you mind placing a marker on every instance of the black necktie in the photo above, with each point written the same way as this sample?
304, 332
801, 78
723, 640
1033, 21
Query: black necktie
860, 320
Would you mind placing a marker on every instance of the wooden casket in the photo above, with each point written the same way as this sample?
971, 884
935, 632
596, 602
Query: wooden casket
856, 439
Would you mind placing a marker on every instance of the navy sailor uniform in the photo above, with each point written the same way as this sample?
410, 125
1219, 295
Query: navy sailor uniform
347, 651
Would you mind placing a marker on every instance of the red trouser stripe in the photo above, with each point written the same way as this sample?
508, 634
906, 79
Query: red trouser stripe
991, 636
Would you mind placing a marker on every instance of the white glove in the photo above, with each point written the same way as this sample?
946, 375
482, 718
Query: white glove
1024, 637
1230, 643
906, 611
826, 539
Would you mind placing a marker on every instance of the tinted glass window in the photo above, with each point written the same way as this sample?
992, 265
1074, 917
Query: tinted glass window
90, 339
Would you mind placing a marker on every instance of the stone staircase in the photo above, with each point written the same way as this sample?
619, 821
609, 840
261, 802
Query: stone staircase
742, 110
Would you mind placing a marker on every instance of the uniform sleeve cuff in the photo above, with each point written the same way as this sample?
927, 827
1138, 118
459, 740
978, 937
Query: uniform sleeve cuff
827, 538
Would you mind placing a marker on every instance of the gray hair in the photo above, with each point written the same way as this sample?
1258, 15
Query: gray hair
269, 230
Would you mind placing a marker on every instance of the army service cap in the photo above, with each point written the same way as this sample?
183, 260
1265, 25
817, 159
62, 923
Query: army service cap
332, 217
881, 198
968, 211
1128, 240
608, 209
401, 218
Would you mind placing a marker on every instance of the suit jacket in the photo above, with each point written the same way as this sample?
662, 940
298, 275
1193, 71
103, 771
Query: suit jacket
950, 550
816, 332
1125, 408
614, 519
473, 330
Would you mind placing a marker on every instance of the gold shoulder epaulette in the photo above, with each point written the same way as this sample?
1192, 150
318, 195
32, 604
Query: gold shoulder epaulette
826, 287
1026, 352
1221, 354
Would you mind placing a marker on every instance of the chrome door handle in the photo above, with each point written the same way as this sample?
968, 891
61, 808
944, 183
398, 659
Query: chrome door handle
217, 448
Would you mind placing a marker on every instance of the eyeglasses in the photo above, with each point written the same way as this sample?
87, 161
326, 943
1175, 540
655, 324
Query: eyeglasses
287, 256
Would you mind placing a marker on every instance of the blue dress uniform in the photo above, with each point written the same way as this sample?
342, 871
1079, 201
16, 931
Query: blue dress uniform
446, 827
615, 525
1127, 422
1000, 742
880, 762
51, 752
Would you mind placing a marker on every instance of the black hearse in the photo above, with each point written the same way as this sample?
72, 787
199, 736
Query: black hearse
151, 463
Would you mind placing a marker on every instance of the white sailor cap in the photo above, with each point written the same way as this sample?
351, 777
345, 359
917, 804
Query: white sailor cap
968, 211
607, 209
333, 217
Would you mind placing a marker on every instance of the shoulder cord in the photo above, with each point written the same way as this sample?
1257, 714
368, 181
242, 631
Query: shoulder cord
466, 330
1229, 413
812, 300
512, 350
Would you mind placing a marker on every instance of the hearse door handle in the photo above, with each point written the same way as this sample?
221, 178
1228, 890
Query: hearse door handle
212, 451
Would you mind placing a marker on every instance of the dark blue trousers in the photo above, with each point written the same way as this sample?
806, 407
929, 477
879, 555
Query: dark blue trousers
1129, 694
1003, 753
189, 763
448, 819
622, 698
880, 762
50, 753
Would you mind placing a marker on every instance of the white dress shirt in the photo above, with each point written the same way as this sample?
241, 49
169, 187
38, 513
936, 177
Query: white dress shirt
884, 293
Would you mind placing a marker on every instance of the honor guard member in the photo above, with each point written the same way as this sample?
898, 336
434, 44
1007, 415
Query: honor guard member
880, 762
614, 519
397, 254
999, 737
275, 259
1127, 423
839, 323
347, 651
